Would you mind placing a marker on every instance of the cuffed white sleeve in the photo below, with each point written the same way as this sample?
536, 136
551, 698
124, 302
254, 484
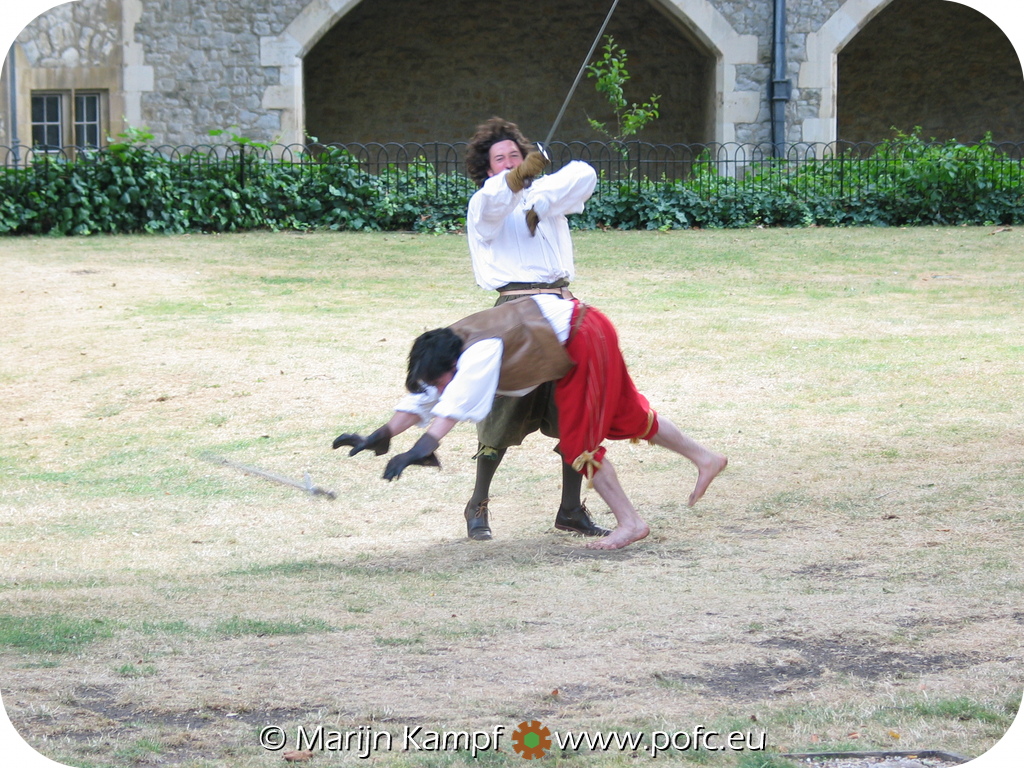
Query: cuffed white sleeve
490, 205
470, 394
419, 405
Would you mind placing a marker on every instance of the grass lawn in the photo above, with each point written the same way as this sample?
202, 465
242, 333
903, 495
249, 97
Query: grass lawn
853, 581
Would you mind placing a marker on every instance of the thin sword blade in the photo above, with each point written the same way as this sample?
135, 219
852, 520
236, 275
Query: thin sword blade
579, 76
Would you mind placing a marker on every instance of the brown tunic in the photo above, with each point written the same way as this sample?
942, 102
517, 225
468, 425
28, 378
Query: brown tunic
532, 353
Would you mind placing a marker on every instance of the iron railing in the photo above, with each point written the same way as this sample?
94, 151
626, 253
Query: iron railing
833, 169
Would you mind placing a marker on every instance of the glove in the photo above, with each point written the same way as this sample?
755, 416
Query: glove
522, 175
422, 453
378, 441
532, 220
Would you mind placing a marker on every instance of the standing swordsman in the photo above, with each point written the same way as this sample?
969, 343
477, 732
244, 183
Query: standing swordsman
520, 245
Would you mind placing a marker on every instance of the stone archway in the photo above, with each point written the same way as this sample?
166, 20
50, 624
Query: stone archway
735, 106
286, 51
819, 72
901, 71
397, 70
703, 40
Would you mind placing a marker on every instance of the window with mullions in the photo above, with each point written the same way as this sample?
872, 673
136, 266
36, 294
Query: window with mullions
53, 128
46, 121
87, 120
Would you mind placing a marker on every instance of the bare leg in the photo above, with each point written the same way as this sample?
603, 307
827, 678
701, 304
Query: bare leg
630, 526
708, 463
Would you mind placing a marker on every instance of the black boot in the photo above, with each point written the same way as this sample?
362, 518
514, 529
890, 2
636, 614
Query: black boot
578, 521
477, 525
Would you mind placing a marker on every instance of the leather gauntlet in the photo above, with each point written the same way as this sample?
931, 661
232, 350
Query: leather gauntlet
421, 453
522, 175
379, 441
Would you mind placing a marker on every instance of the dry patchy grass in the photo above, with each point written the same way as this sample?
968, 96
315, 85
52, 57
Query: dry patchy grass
853, 579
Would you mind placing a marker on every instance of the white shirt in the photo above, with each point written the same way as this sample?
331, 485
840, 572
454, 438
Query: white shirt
470, 393
500, 243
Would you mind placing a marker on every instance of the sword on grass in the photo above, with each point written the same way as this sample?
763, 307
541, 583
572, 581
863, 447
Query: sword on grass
306, 484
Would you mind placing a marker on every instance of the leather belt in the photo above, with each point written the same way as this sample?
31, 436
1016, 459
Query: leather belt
565, 293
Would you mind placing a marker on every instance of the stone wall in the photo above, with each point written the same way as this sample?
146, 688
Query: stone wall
86, 33
207, 73
397, 69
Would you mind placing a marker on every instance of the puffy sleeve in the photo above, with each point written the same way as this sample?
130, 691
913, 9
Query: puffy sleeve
563, 192
470, 394
490, 205
419, 405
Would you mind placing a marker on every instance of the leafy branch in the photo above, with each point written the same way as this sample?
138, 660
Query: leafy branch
612, 76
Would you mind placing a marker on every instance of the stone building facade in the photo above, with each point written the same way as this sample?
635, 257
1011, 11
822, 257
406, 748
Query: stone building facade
282, 71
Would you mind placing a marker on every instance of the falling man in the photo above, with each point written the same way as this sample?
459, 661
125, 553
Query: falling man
454, 374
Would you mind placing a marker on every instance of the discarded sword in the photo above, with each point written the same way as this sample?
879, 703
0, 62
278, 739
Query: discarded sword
305, 485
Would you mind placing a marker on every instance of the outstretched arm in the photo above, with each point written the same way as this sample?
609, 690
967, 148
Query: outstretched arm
379, 441
441, 426
401, 421
423, 451
467, 396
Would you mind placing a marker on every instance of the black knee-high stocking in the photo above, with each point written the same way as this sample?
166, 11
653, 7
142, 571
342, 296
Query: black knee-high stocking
486, 466
572, 483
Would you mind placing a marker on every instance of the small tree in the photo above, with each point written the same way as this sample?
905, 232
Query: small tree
612, 75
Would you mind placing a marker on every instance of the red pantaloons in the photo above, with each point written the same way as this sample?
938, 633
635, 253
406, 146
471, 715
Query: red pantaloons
597, 399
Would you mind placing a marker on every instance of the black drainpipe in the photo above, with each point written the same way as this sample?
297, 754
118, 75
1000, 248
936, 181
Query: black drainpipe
12, 94
781, 87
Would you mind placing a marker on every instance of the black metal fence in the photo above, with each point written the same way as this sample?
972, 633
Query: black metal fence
826, 169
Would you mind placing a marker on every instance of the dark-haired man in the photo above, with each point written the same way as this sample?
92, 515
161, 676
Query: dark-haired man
455, 372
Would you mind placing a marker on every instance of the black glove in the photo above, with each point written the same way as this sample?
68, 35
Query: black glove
522, 175
422, 453
378, 442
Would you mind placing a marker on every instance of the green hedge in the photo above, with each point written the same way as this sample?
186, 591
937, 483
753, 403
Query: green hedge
130, 188
134, 189
905, 181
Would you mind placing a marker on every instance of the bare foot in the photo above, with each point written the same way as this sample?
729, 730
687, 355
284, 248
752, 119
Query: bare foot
622, 536
706, 472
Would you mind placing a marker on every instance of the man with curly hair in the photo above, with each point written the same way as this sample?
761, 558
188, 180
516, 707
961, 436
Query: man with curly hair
520, 245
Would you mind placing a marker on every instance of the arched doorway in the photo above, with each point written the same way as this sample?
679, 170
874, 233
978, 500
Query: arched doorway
398, 70
931, 63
